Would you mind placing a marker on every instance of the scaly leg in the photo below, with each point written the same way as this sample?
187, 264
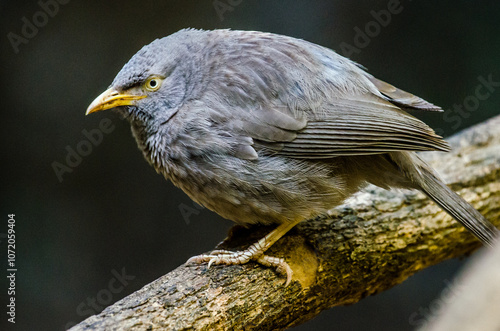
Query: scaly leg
254, 252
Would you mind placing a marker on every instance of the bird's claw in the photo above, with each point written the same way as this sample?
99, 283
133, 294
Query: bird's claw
241, 257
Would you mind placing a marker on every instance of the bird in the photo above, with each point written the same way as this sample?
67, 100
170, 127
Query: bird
268, 129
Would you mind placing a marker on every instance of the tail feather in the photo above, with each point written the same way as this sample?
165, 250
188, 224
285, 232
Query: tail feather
459, 209
423, 177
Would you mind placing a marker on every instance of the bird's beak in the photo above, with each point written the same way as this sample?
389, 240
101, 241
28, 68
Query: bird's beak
111, 99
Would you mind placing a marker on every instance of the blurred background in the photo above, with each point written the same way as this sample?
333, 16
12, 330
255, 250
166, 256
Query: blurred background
81, 221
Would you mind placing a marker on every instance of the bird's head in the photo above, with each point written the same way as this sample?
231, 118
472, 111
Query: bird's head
156, 81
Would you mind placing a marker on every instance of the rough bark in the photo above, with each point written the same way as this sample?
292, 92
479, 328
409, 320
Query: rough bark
373, 242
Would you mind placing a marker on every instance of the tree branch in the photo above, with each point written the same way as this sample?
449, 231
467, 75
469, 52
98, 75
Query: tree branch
373, 242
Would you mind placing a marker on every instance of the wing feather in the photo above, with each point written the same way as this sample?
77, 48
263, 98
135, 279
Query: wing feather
359, 127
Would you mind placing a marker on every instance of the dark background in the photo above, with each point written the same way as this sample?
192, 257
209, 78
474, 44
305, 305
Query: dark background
113, 211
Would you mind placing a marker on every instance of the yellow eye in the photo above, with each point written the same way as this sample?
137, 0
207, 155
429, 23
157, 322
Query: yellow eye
153, 83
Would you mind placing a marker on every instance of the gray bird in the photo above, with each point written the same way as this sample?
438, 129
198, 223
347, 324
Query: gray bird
269, 129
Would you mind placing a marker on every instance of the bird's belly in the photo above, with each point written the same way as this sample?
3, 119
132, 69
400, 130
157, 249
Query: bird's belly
266, 191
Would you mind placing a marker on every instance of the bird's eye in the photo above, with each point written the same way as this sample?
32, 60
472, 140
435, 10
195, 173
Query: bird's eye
152, 83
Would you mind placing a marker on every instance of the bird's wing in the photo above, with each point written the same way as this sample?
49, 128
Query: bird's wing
362, 125
353, 124
401, 98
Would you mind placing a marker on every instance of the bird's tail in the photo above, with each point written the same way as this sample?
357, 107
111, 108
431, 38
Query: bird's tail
424, 177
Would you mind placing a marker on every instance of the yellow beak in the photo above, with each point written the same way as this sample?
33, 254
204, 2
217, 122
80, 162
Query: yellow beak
111, 99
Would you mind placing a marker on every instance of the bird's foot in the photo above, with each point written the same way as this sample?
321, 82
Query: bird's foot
254, 253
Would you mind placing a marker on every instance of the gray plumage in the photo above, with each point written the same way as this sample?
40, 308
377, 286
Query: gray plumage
269, 129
